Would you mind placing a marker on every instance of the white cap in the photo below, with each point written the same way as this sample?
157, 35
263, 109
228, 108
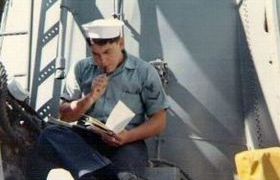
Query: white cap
103, 28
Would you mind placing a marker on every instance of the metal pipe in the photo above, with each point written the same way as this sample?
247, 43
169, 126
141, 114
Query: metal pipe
60, 59
30, 45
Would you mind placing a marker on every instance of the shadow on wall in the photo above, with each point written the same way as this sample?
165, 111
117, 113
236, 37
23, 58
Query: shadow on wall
149, 41
198, 120
217, 63
208, 31
84, 11
208, 35
195, 134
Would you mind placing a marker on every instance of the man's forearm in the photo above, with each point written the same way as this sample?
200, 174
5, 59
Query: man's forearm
155, 125
74, 110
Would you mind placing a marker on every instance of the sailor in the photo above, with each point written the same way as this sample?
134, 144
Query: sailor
94, 86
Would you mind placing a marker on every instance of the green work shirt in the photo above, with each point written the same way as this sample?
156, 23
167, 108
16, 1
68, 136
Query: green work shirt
136, 83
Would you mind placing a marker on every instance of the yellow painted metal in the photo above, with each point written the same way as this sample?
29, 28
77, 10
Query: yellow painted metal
260, 164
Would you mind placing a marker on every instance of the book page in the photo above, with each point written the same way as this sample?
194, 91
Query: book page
119, 117
93, 121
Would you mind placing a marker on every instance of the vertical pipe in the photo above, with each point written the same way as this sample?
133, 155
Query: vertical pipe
30, 45
60, 59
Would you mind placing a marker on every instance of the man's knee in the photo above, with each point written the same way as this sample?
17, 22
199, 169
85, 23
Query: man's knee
52, 132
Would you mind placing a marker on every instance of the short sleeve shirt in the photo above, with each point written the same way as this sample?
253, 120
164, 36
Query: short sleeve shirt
136, 83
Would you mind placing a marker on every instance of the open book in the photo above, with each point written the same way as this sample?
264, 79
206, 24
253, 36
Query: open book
120, 116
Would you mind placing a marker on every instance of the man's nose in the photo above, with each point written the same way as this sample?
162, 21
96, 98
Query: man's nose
103, 59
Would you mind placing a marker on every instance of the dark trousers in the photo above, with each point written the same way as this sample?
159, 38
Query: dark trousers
83, 152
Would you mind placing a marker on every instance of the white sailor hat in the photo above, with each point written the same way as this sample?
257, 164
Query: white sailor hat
103, 28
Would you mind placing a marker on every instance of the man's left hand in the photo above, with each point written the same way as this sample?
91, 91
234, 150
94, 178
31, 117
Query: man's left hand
114, 140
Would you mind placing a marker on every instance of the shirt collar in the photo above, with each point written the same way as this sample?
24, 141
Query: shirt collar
129, 64
92, 62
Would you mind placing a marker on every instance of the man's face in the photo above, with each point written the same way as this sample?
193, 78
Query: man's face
109, 56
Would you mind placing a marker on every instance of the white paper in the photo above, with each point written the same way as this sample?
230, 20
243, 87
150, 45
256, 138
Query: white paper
119, 117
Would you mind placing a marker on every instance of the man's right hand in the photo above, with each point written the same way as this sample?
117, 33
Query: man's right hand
72, 111
99, 86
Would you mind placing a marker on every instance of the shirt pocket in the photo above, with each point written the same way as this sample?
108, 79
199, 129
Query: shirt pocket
133, 101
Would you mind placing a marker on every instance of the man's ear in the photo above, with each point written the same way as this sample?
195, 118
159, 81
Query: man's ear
121, 43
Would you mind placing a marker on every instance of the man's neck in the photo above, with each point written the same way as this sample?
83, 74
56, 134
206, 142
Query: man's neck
121, 62
123, 58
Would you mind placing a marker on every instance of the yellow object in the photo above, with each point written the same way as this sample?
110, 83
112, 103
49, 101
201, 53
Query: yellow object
260, 164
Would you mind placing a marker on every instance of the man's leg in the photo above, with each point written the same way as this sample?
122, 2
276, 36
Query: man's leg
71, 150
37, 167
131, 158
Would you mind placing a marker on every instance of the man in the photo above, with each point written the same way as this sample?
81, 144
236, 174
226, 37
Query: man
93, 87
